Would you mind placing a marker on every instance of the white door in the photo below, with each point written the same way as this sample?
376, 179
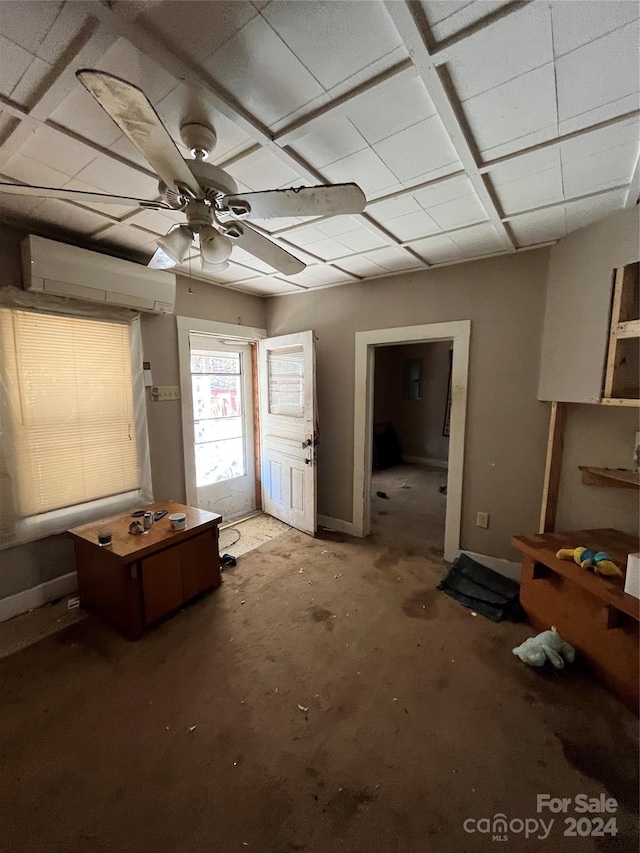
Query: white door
286, 378
222, 395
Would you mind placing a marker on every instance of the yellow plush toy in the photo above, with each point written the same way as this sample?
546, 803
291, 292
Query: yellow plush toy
601, 563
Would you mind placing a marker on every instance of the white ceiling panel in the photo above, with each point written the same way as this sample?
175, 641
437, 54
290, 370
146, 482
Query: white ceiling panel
412, 226
520, 112
28, 171
264, 171
31, 82
606, 139
597, 171
317, 275
361, 240
418, 150
269, 286
113, 177
329, 139
533, 190
262, 73
131, 237
448, 18
438, 250
458, 213
81, 113
115, 211
178, 21
14, 61
598, 73
153, 220
359, 34
523, 42
539, 227
575, 24
362, 266
366, 168
16, 206
57, 151
393, 207
334, 226
582, 213
390, 259
395, 105
68, 216
236, 272
125, 61
27, 22
477, 240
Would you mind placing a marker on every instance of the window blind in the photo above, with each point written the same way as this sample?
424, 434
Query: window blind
68, 421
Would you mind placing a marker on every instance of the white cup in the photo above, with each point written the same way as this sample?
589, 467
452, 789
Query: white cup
178, 521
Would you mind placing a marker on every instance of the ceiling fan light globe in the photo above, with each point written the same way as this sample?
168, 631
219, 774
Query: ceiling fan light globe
214, 246
176, 243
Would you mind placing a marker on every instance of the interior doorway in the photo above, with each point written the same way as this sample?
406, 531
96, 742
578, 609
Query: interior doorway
410, 444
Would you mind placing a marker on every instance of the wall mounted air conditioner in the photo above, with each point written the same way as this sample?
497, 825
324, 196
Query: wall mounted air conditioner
63, 270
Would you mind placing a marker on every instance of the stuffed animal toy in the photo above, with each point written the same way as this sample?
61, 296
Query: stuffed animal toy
547, 646
601, 563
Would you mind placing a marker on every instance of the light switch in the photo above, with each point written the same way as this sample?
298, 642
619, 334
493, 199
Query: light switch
161, 393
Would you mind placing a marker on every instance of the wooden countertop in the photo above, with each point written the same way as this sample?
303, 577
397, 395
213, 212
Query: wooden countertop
543, 547
129, 546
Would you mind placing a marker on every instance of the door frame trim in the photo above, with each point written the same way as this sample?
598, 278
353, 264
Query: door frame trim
459, 333
226, 331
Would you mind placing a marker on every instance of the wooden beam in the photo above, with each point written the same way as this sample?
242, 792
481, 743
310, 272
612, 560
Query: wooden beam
553, 468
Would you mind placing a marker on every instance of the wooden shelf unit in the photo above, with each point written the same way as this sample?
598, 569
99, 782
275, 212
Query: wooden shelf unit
621, 478
622, 369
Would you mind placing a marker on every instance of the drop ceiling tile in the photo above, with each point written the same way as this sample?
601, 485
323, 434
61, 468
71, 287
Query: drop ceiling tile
125, 61
614, 109
236, 272
269, 286
539, 227
264, 171
128, 237
128, 150
590, 210
478, 240
359, 34
392, 107
116, 178
262, 73
533, 190
304, 236
444, 191
153, 220
366, 169
412, 226
329, 139
179, 22
360, 240
26, 22
31, 82
606, 139
522, 41
575, 24
597, 171
247, 260
520, 112
327, 249
80, 112
15, 205
113, 210
66, 27
438, 250
393, 207
67, 216
457, 213
454, 16
391, 259
316, 275
334, 226
362, 266
527, 164
29, 171
57, 151
418, 150
598, 73
14, 61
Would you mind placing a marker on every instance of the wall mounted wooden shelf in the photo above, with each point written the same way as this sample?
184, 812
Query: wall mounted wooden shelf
620, 478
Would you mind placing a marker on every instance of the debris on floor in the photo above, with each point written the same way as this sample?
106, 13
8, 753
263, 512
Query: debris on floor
443, 490
302, 708
547, 646
483, 590
228, 561
383, 495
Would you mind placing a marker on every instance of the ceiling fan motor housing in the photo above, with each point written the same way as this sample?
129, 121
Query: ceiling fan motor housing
200, 139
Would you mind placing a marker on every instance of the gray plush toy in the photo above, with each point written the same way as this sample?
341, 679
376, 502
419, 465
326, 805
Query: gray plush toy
548, 645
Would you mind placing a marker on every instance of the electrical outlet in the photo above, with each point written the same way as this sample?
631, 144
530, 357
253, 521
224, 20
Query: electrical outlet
482, 519
160, 393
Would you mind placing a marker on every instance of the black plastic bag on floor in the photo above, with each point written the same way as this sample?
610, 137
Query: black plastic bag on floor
483, 590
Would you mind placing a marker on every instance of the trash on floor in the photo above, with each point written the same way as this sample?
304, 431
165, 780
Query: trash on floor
483, 590
383, 495
302, 708
547, 646
228, 561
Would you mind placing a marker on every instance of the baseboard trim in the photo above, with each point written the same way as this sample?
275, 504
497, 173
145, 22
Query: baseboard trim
29, 599
421, 460
503, 567
337, 524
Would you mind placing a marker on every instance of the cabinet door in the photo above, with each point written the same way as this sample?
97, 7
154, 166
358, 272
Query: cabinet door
200, 563
161, 584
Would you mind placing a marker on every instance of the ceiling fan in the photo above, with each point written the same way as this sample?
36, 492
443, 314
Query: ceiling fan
215, 212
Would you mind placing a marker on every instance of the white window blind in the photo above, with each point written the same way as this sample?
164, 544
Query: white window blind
68, 418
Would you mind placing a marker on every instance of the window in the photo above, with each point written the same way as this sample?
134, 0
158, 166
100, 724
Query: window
68, 421
286, 381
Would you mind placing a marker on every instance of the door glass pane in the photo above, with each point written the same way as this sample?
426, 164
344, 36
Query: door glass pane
219, 460
216, 396
286, 381
215, 429
205, 361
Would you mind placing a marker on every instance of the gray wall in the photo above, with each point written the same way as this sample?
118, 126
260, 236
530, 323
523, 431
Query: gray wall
26, 566
418, 423
507, 426
578, 304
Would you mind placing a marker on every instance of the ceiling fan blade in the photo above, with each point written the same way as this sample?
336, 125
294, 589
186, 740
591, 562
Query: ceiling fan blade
131, 110
161, 261
264, 249
80, 197
324, 200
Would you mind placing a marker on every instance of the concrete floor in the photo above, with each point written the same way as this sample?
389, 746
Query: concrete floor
413, 515
414, 717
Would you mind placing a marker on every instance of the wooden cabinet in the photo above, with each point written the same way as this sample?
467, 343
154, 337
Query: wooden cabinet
137, 580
